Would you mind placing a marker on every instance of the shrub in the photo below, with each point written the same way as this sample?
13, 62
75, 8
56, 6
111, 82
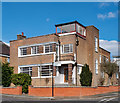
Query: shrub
23, 80
7, 71
86, 76
101, 81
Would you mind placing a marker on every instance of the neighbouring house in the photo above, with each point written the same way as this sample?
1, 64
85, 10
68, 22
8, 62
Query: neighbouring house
116, 59
4, 52
62, 53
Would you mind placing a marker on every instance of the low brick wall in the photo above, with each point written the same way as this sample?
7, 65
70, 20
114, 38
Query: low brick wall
11, 90
40, 91
70, 91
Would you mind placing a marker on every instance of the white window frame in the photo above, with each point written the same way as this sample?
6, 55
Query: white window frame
43, 44
40, 70
69, 51
96, 66
96, 44
36, 49
27, 71
21, 51
100, 58
49, 46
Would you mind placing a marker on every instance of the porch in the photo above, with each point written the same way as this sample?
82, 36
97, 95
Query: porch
65, 74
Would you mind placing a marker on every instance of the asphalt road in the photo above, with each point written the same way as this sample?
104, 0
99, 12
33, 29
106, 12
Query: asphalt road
101, 98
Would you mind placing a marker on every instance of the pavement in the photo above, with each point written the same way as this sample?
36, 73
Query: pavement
100, 98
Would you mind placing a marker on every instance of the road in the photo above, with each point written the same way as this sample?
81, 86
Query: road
102, 98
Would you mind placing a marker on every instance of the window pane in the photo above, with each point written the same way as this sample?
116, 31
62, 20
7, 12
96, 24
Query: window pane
46, 71
50, 47
23, 51
96, 44
96, 66
67, 48
46, 48
34, 50
71, 48
26, 70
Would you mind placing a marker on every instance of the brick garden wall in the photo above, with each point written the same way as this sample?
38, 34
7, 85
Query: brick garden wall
70, 91
11, 90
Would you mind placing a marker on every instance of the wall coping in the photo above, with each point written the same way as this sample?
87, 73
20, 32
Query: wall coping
69, 86
10, 87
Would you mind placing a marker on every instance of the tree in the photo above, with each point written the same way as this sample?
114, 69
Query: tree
109, 68
86, 76
7, 71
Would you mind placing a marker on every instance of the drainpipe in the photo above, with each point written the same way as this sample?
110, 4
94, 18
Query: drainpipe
77, 43
52, 81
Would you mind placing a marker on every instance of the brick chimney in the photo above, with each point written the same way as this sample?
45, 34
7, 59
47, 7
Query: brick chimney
20, 37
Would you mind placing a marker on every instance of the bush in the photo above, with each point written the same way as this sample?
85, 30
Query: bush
101, 81
23, 80
86, 76
7, 71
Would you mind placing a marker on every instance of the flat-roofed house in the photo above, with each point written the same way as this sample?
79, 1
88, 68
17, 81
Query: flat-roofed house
64, 52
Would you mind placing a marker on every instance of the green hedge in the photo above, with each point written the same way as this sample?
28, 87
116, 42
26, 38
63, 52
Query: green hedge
86, 76
23, 80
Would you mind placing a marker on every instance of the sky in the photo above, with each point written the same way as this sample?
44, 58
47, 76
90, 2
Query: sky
39, 18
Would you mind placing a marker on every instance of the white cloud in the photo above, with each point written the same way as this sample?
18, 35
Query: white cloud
101, 16
111, 46
111, 15
108, 15
48, 19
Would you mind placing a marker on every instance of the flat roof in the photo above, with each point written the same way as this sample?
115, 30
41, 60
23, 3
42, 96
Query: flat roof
70, 23
116, 56
104, 49
35, 37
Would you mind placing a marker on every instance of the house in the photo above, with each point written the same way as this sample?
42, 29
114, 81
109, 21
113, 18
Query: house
4, 52
61, 54
116, 59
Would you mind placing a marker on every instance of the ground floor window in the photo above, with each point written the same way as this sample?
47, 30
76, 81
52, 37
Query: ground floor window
45, 70
96, 66
26, 70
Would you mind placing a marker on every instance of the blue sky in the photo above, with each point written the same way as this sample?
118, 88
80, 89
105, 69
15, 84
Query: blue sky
39, 18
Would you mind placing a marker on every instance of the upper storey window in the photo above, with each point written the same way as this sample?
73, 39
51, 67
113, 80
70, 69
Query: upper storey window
37, 49
67, 48
34, 49
48, 48
80, 30
96, 44
23, 51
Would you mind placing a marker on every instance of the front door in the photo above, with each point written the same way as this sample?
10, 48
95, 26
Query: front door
65, 74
